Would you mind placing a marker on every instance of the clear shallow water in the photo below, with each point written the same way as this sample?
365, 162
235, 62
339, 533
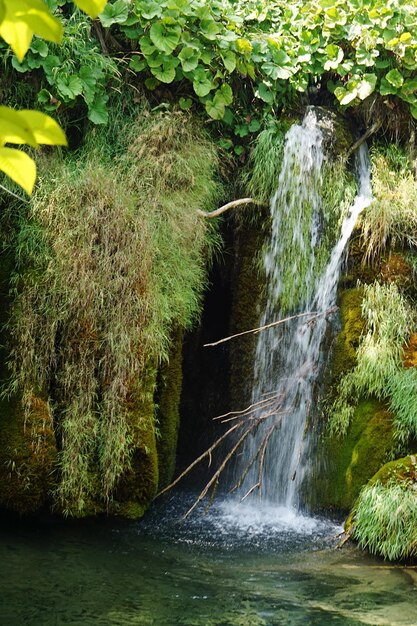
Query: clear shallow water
262, 567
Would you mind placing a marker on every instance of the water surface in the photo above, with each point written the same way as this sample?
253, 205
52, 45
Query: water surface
258, 566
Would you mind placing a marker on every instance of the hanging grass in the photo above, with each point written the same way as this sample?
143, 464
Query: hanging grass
392, 218
385, 520
111, 254
379, 370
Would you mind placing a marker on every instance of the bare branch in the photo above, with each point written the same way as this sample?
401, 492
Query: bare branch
370, 131
226, 207
314, 315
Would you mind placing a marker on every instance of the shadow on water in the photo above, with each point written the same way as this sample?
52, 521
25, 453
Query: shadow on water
250, 566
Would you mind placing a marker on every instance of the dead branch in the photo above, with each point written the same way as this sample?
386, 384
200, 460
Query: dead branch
314, 315
370, 131
226, 207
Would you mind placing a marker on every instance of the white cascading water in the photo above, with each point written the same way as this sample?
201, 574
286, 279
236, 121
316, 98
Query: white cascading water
288, 356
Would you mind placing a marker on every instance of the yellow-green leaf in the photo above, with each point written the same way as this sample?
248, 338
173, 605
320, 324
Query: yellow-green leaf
91, 7
22, 19
45, 129
14, 128
19, 167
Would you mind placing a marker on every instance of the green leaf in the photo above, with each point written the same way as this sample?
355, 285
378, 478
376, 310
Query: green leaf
215, 108
146, 46
367, 86
264, 93
229, 61
386, 88
226, 93
202, 83
164, 73
137, 64
209, 29
189, 58
165, 36
185, 103
115, 13
349, 97
395, 78
18, 166
97, 110
69, 86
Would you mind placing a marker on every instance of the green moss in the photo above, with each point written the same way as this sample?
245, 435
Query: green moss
349, 462
27, 455
168, 413
139, 482
247, 307
347, 341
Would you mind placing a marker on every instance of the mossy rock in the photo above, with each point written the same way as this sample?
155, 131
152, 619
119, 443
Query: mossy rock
138, 484
347, 341
168, 409
248, 286
27, 456
348, 463
384, 517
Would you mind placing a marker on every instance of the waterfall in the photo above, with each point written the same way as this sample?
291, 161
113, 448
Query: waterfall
288, 356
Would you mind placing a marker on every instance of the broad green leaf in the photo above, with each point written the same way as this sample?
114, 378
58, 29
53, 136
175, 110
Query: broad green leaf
226, 93
229, 61
367, 86
414, 112
97, 110
18, 166
202, 84
349, 97
395, 78
14, 128
209, 29
137, 64
165, 36
185, 103
189, 58
264, 93
115, 13
45, 129
215, 108
165, 73
92, 7
146, 46
386, 88
69, 86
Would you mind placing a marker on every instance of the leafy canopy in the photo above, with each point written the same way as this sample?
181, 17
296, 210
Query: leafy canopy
19, 21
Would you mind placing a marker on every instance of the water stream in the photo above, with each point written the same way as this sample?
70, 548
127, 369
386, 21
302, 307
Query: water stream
288, 357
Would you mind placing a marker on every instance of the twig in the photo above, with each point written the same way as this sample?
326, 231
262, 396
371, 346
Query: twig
260, 328
370, 131
199, 459
226, 207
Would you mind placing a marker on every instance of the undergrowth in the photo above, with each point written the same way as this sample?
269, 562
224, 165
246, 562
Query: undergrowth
379, 371
392, 218
111, 253
386, 520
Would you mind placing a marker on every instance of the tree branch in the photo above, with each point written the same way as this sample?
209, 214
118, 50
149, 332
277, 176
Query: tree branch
226, 207
370, 131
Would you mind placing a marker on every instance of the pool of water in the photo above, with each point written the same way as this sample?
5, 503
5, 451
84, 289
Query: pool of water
234, 566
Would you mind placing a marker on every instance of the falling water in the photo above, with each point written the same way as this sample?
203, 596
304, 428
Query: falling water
288, 356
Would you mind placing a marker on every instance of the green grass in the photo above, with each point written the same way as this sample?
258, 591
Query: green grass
379, 371
391, 220
111, 254
385, 520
